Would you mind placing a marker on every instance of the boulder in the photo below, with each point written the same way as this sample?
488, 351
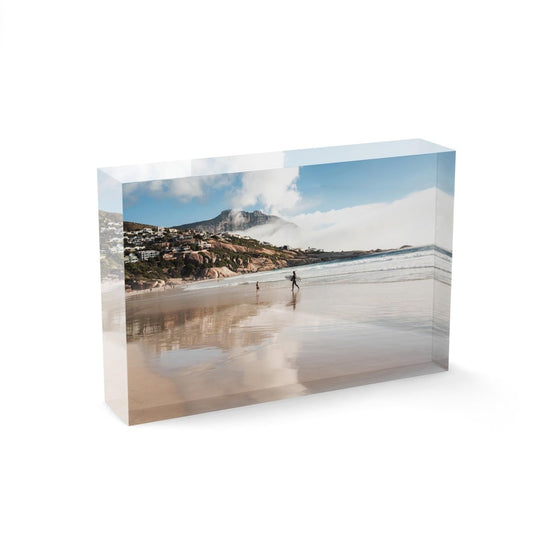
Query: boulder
194, 257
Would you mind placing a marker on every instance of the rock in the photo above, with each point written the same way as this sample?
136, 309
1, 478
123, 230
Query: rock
194, 257
218, 272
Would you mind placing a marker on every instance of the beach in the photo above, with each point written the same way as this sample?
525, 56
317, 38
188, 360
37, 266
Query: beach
222, 343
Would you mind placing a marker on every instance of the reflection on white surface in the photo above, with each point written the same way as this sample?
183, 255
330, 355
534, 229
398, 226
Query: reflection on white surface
271, 160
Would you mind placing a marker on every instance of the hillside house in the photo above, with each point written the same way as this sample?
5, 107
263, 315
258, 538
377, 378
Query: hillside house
131, 258
148, 254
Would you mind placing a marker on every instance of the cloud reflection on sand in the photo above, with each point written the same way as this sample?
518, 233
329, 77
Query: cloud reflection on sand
193, 352
213, 352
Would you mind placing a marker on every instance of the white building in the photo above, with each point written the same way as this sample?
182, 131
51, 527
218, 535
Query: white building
148, 254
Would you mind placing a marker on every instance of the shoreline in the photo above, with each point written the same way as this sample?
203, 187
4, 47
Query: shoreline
325, 257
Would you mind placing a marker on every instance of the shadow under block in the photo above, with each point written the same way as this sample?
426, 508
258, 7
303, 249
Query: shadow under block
238, 280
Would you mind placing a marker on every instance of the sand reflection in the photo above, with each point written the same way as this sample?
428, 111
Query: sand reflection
194, 327
201, 357
214, 349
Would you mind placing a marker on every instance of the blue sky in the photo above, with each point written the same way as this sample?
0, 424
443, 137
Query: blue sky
287, 192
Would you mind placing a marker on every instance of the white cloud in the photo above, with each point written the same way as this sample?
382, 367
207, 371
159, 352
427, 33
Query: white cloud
410, 220
273, 190
186, 189
130, 189
196, 178
183, 189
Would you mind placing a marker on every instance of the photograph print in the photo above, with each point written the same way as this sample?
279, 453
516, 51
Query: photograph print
248, 287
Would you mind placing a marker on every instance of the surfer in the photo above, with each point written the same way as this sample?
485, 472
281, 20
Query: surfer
293, 281
257, 286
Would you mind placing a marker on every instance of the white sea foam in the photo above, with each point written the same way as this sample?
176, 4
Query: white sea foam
401, 265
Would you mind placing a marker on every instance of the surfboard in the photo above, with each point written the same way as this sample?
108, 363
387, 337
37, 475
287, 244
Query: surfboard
289, 277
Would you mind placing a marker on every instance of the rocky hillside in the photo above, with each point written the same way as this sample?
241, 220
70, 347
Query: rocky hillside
224, 257
132, 226
234, 220
156, 257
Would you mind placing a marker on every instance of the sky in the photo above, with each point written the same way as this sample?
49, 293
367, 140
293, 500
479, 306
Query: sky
351, 205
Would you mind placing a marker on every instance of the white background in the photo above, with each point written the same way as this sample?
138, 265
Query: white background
88, 84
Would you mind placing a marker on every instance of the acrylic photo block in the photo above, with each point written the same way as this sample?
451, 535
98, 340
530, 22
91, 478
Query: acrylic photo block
238, 280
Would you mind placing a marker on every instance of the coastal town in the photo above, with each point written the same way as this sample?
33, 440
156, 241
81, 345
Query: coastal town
158, 257
170, 244
152, 257
147, 243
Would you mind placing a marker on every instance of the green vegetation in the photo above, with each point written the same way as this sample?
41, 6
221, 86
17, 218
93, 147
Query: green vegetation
130, 226
231, 252
181, 254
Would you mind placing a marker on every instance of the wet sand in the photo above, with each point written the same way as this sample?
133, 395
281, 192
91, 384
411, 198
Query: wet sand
201, 350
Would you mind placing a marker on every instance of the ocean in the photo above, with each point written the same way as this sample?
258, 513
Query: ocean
401, 265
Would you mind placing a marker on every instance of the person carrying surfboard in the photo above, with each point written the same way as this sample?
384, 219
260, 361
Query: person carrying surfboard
293, 281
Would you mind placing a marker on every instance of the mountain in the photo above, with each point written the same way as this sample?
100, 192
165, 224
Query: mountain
235, 220
130, 226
